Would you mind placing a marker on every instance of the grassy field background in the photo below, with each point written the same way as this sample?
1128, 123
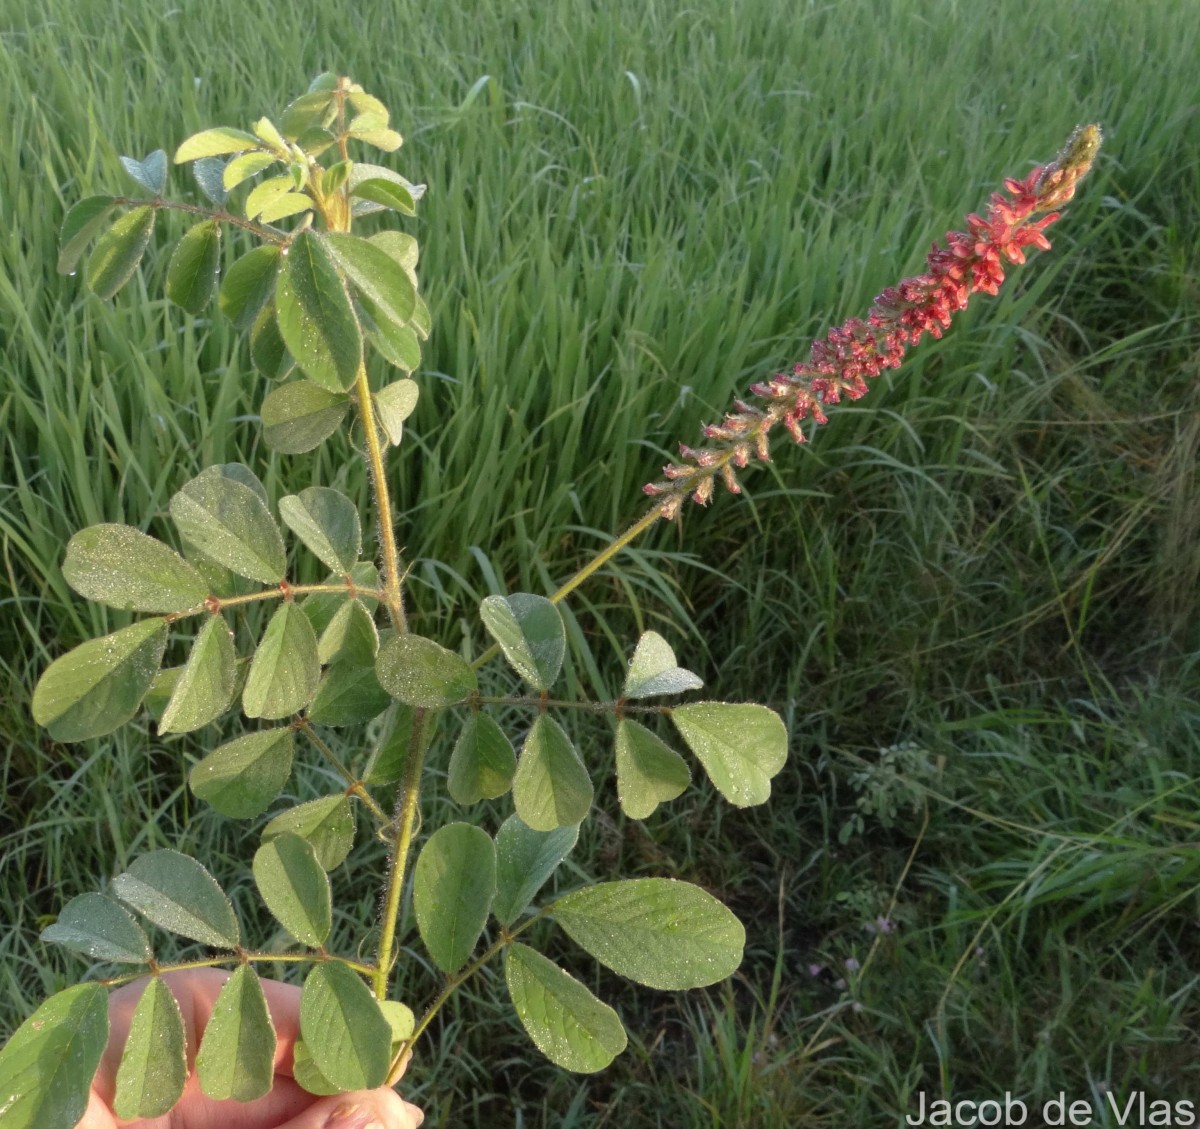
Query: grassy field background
973, 597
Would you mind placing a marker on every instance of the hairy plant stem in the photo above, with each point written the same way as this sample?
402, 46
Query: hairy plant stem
404, 824
507, 936
392, 595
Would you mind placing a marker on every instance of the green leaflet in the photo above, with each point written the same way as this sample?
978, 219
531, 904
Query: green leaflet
215, 143
531, 634
483, 762
525, 860
649, 772
551, 787
267, 349
351, 634
326, 521
327, 823
453, 885
315, 317
654, 931
96, 926
740, 746
153, 1065
375, 275
119, 251
46, 1068
652, 670
248, 285
388, 193
178, 894
228, 521
242, 777
245, 166
349, 693
98, 686
122, 567
81, 225
294, 887
150, 172
567, 1023
300, 416
192, 272
395, 403
420, 672
345, 1032
208, 172
206, 685
285, 670
237, 1055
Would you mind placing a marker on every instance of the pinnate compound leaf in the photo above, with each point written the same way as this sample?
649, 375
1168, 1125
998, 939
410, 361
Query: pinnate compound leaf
242, 777
46, 1068
294, 887
420, 672
248, 284
81, 225
285, 670
215, 143
206, 685
566, 1022
98, 686
96, 926
237, 1055
119, 251
653, 670
551, 787
327, 823
209, 173
154, 1063
483, 761
740, 746
345, 1032
315, 317
229, 522
124, 568
299, 417
525, 860
531, 634
654, 931
649, 772
192, 272
394, 404
375, 275
453, 885
178, 894
326, 521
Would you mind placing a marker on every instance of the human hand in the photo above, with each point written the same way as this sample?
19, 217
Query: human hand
286, 1106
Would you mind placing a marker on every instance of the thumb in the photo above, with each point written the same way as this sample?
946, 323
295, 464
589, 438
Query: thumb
366, 1109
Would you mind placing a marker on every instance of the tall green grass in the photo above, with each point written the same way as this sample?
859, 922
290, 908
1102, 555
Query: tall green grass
991, 562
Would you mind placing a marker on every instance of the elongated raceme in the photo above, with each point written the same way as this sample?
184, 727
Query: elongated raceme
840, 364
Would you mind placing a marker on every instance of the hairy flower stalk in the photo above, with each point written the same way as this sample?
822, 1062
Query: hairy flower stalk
840, 363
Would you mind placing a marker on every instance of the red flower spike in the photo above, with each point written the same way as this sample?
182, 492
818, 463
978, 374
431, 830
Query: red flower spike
838, 363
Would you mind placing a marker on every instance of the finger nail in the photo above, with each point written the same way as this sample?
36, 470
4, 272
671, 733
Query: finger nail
353, 1117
